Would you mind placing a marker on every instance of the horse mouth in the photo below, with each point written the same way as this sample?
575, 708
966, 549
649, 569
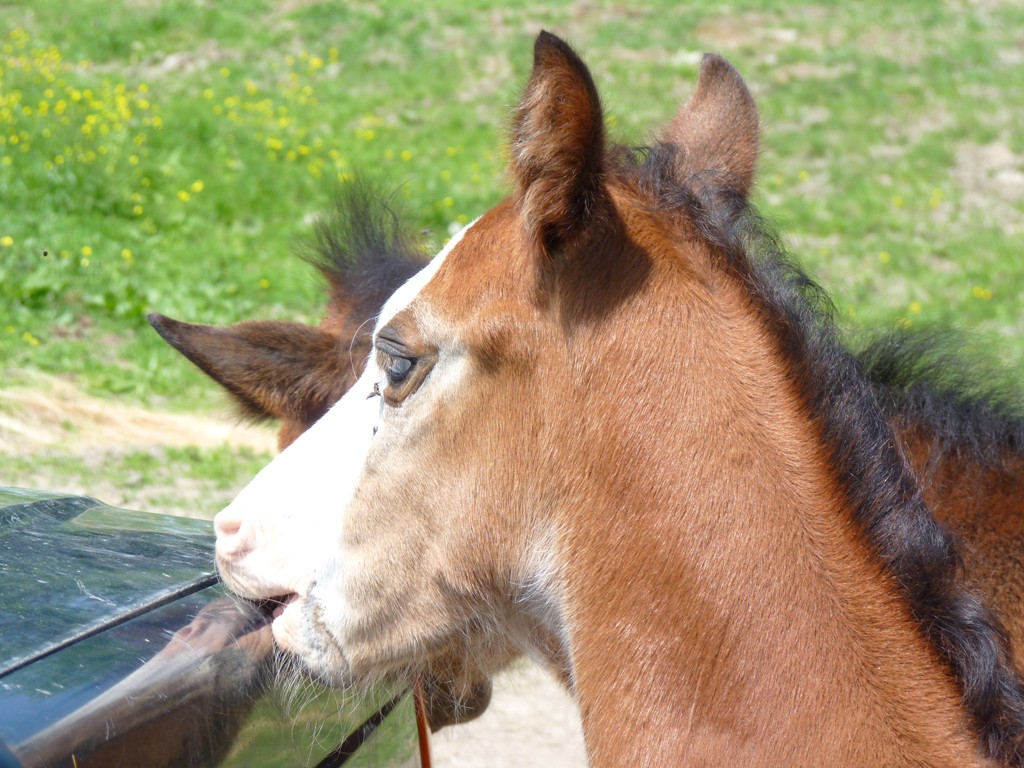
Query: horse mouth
275, 606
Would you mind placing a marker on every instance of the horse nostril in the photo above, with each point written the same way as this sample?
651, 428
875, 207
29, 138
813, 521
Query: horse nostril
226, 524
230, 539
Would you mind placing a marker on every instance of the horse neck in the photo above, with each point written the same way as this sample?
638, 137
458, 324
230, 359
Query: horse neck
722, 606
981, 500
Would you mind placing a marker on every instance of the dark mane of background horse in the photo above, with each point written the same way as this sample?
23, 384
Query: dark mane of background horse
922, 557
363, 250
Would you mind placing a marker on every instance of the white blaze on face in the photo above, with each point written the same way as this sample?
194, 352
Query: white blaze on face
286, 524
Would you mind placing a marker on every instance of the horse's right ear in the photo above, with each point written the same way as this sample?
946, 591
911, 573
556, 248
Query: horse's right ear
717, 129
273, 369
556, 158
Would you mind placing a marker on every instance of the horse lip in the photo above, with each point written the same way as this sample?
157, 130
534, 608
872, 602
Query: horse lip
279, 604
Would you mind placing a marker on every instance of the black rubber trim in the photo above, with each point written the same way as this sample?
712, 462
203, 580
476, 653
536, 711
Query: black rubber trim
191, 588
358, 737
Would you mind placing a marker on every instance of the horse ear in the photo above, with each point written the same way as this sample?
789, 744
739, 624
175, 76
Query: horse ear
717, 129
273, 369
557, 152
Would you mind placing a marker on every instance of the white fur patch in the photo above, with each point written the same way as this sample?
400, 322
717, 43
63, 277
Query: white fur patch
404, 296
287, 523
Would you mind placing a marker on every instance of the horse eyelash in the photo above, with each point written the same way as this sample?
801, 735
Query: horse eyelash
375, 392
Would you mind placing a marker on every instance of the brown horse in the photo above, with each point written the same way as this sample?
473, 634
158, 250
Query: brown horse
616, 431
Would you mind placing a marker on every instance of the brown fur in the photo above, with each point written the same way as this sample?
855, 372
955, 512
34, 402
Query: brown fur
984, 506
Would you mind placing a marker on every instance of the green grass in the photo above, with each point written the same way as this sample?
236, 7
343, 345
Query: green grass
168, 156
189, 481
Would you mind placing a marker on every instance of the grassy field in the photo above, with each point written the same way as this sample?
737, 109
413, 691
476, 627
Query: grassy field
168, 156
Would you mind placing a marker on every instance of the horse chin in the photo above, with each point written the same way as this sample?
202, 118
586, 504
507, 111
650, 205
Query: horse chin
316, 651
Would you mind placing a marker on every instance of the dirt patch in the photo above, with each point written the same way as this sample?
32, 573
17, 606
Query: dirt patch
531, 721
58, 438
47, 413
991, 180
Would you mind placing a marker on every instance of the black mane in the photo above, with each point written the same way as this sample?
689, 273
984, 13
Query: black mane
361, 247
885, 497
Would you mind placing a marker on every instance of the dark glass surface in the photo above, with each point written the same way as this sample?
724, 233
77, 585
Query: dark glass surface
141, 659
70, 565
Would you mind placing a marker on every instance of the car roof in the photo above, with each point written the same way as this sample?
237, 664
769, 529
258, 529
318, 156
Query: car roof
71, 566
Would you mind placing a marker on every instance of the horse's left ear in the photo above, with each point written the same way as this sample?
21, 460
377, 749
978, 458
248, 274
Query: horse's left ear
717, 129
557, 152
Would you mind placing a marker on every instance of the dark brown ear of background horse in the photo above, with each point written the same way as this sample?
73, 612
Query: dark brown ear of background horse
273, 369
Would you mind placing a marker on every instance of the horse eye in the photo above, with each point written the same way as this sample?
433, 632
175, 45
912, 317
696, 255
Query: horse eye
398, 369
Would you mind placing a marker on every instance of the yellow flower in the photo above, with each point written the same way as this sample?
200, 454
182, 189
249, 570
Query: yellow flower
406, 155
126, 254
29, 339
197, 186
6, 241
184, 196
985, 294
86, 250
897, 201
264, 283
884, 257
85, 262
915, 307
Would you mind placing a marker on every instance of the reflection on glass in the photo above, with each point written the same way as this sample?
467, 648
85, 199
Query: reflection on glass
202, 700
